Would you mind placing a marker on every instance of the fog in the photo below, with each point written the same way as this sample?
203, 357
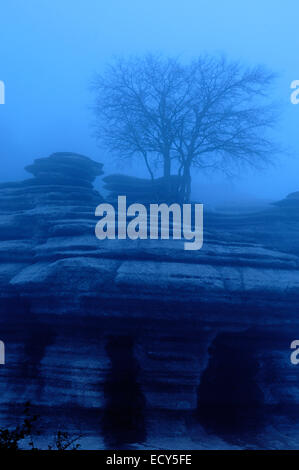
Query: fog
50, 51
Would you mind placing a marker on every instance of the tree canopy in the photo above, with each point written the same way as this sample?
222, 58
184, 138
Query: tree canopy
210, 113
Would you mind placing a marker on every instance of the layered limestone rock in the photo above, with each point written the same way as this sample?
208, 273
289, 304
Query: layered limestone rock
291, 202
90, 323
142, 190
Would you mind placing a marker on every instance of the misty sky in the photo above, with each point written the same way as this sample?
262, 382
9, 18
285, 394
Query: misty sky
51, 49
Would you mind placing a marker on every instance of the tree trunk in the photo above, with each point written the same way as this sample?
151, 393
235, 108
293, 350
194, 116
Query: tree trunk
148, 165
186, 184
167, 174
167, 166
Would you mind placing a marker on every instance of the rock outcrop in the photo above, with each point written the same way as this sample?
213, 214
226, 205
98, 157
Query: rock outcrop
143, 190
80, 316
291, 202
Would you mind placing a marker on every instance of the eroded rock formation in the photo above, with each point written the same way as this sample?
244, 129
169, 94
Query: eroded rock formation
72, 306
142, 190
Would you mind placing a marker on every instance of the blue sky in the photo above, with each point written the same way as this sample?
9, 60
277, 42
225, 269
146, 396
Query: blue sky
50, 51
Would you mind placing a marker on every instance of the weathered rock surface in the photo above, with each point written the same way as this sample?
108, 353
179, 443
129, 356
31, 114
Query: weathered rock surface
142, 190
89, 323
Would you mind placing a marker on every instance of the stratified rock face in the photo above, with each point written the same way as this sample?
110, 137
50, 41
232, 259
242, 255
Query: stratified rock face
137, 331
59, 201
65, 168
59, 198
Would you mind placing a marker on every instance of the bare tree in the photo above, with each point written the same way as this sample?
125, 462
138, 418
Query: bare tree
210, 113
136, 106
